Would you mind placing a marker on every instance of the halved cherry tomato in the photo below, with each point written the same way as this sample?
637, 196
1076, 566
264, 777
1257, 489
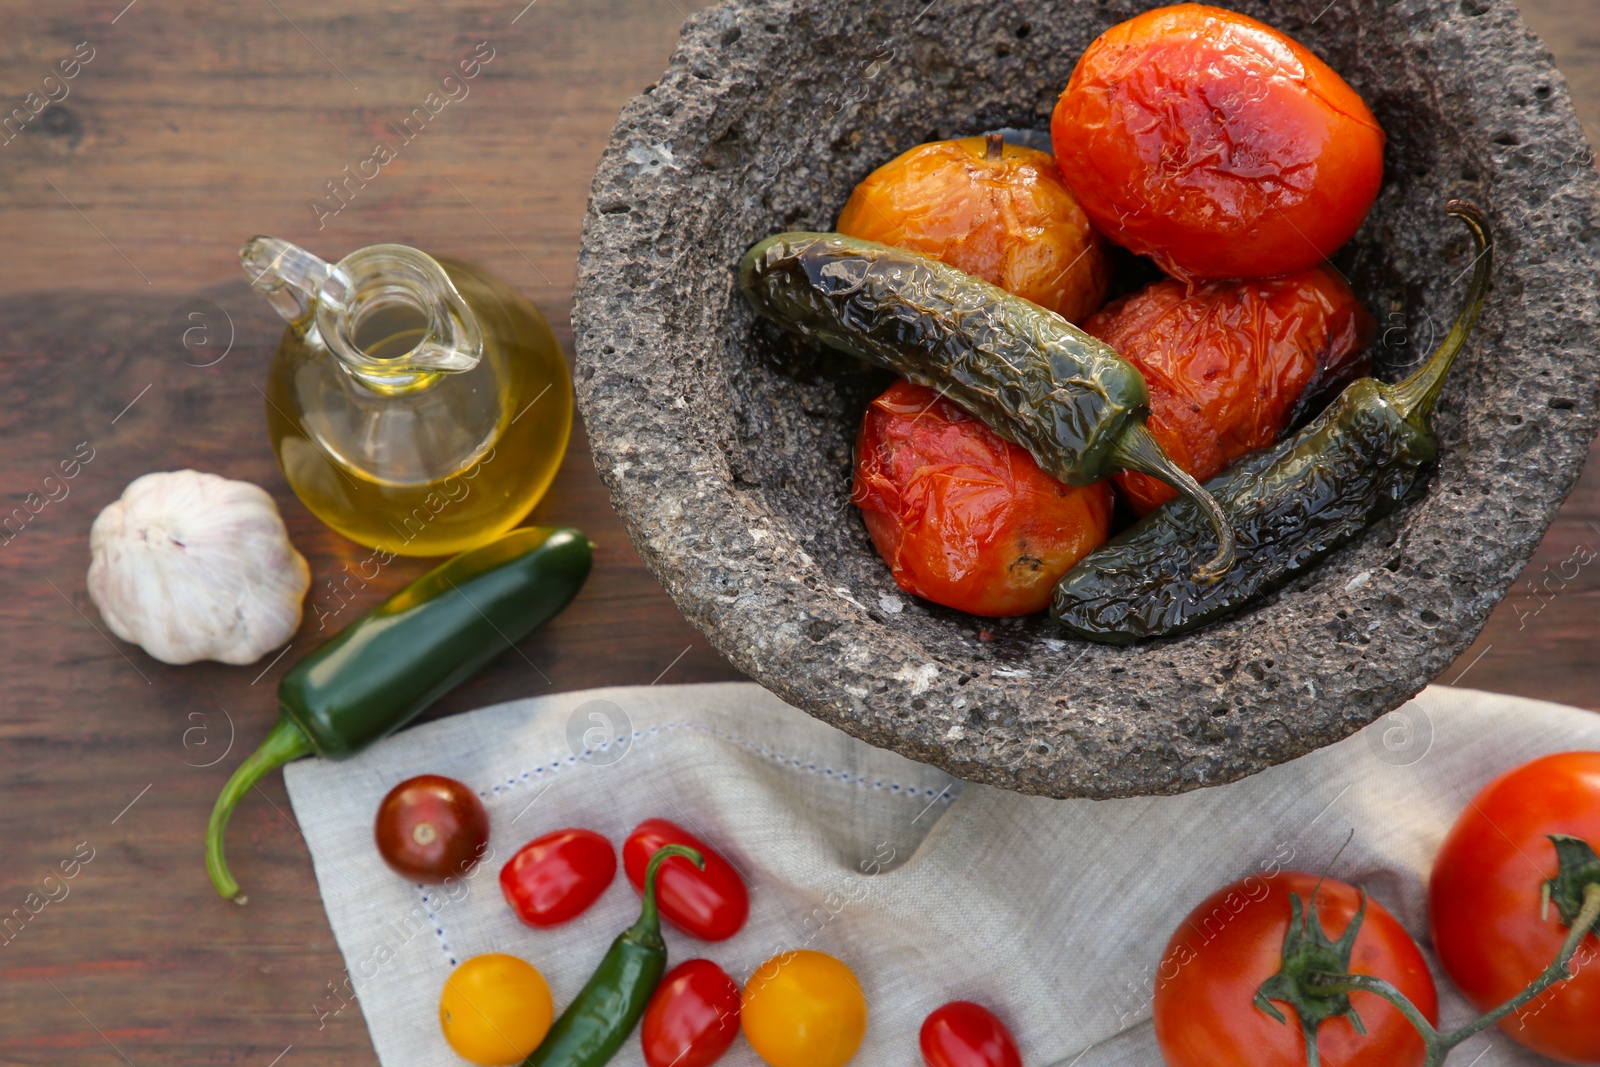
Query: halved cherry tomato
962, 516
1216, 145
1231, 365
997, 211
1489, 927
1206, 983
804, 1009
711, 904
556, 877
495, 1009
964, 1034
430, 828
693, 1017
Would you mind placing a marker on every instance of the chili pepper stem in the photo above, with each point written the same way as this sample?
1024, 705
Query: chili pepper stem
648, 929
1137, 450
1416, 395
286, 742
1440, 1045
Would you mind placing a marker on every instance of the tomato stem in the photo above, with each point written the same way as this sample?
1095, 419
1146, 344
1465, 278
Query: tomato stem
1440, 1045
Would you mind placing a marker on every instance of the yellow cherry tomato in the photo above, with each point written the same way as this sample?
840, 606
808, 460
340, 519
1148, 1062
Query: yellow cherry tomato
495, 1009
804, 1009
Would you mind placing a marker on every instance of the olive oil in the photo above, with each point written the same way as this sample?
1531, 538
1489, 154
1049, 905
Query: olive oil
397, 446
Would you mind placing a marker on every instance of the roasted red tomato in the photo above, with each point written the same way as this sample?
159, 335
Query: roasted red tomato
1205, 1014
997, 211
964, 1034
711, 904
962, 516
1216, 145
1231, 365
1489, 927
430, 828
556, 877
693, 1017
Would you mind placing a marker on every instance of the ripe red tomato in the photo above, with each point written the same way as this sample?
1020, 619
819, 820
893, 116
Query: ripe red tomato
962, 516
711, 904
964, 1034
1003, 216
1233, 942
430, 828
1216, 145
693, 1017
1484, 898
556, 877
1231, 365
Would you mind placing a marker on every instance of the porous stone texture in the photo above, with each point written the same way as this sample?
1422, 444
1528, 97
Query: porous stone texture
727, 446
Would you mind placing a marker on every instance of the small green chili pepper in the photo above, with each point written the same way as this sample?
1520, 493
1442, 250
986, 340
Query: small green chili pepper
1290, 504
1029, 374
389, 664
605, 1011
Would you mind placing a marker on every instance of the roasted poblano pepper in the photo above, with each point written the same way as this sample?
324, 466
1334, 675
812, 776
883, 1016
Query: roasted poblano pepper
1029, 374
1290, 505
389, 664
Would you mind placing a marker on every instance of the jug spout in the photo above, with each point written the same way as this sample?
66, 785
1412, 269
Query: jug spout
389, 313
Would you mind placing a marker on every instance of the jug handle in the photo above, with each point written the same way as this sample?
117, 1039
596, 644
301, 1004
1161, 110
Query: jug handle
287, 275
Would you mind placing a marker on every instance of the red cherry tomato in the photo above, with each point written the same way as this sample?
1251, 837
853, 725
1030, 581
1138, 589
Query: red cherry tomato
1488, 924
556, 877
711, 904
693, 1017
1231, 365
1216, 145
430, 828
962, 516
964, 1034
1205, 1014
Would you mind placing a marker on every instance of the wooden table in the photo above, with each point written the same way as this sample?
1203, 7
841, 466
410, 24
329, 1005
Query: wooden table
191, 127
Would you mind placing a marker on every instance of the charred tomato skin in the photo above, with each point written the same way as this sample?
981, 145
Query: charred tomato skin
1010, 220
963, 517
1216, 145
1231, 365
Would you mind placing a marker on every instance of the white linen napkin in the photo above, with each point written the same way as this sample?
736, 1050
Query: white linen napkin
1052, 913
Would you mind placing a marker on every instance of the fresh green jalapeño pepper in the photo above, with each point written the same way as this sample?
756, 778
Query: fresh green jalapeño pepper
1029, 374
388, 665
1290, 505
604, 1012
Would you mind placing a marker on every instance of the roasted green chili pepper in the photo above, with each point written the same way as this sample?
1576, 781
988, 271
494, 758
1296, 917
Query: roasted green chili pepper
386, 666
605, 1011
1290, 504
1032, 376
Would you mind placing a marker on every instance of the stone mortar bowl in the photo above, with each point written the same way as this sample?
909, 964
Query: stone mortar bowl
727, 447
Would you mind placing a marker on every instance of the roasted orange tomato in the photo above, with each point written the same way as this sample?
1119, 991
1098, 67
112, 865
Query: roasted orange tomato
1231, 365
962, 516
1216, 145
995, 210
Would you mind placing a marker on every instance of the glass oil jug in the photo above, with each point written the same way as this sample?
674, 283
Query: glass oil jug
416, 404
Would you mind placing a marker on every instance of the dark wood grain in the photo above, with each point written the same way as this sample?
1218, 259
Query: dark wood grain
195, 126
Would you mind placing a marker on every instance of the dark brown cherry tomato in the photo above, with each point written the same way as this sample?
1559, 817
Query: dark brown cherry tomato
693, 1017
1216, 145
1205, 1013
964, 1034
430, 828
1490, 927
1231, 365
962, 516
711, 904
556, 877
1000, 212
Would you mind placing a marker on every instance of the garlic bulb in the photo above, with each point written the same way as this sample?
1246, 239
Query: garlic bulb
191, 566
